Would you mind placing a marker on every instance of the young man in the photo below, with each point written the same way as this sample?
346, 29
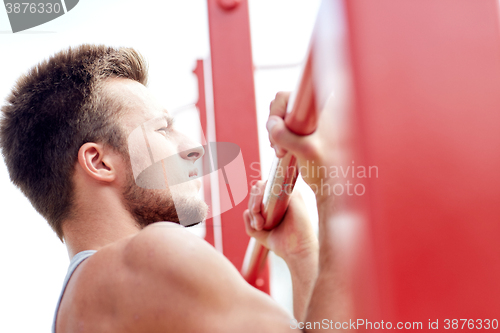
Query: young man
66, 136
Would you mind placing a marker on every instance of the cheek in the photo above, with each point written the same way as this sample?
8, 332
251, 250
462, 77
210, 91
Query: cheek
161, 147
138, 152
153, 177
164, 174
176, 170
154, 160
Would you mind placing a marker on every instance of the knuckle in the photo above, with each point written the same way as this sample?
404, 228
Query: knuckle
255, 190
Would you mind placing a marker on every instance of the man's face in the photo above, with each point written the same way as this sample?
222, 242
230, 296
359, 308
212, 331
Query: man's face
162, 183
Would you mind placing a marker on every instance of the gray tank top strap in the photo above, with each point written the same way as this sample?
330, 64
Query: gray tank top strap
73, 264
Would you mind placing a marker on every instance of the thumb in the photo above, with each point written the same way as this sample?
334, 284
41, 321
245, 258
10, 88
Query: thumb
280, 135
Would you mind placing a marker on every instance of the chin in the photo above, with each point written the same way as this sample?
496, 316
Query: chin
191, 210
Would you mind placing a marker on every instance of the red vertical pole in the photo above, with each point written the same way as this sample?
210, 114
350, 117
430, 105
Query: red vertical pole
202, 109
234, 107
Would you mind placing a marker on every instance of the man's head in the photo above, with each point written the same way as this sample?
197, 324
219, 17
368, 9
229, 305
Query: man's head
161, 183
57, 108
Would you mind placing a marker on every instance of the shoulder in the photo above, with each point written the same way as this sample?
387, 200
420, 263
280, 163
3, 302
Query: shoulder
163, 279
165, 240
171, 251
182, 277
153, 279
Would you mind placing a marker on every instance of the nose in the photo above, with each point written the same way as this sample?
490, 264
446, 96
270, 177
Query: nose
190, 150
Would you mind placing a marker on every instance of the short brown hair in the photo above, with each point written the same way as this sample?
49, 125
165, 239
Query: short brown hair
52, 111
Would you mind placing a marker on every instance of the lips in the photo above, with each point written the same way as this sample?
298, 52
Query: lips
193, 173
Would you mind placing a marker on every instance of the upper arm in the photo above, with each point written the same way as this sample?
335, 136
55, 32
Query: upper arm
184, 284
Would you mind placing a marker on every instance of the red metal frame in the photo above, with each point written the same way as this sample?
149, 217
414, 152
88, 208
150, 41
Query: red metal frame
426, 113
202, 108
423, 108
234, 108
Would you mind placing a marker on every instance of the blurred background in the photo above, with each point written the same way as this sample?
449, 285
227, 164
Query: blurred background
171, 35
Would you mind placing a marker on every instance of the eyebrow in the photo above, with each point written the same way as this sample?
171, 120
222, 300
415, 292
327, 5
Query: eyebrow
170, 120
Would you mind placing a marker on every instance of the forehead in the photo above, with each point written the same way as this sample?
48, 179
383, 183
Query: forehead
137, 104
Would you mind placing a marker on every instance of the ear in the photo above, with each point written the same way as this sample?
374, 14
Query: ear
97, 162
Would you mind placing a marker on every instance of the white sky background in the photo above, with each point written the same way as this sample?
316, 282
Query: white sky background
171, 35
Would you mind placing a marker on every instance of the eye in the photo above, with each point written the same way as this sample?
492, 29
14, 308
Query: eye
163, 130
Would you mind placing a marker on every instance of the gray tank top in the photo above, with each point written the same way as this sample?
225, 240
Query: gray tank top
73, 264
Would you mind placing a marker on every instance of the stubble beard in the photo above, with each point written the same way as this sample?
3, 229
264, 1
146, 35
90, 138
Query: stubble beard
149, 206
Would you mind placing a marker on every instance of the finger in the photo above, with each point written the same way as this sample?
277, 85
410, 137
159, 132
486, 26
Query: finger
274, 146
257, 221
279, 151
247, 221
279, 104
260, 235
253, 191
284, 139
247, 218
257, 203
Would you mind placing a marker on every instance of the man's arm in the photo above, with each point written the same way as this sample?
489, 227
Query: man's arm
331, 298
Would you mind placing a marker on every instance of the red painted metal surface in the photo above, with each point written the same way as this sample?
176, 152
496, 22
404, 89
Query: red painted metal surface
302, 117
426, 76
421, 244
234, 108
202, 109
424, 111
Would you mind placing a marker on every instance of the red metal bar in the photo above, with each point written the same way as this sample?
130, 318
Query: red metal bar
202, 109
301, 118
302, 115
234, 108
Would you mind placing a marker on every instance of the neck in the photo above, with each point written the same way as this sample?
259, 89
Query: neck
97, 223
